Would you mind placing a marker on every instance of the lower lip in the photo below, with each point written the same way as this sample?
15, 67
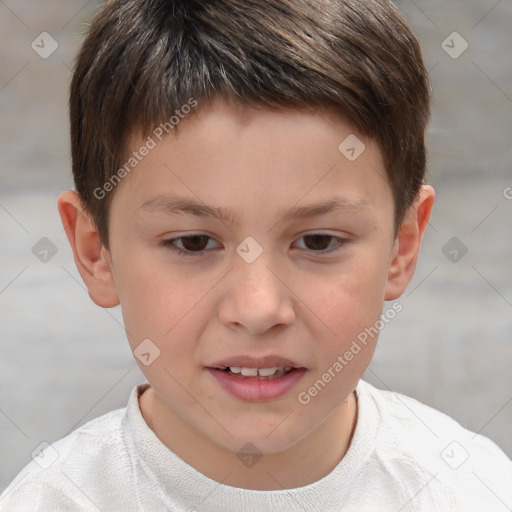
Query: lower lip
253, 389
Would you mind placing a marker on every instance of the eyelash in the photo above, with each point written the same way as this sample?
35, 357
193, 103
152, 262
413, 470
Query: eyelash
170, 244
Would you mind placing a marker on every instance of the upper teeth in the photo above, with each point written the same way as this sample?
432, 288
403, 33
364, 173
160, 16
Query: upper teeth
262, 372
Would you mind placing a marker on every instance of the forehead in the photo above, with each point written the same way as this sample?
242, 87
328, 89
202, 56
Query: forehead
225, 119
226, 151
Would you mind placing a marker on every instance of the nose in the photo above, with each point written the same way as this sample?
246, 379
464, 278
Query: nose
257, 296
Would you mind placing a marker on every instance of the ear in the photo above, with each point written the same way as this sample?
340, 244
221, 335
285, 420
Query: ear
407, 245
92, 259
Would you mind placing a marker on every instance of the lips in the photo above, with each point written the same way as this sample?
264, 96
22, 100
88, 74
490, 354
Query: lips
257, 379
257, 389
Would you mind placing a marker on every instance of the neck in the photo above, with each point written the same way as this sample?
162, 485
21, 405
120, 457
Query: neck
307, 461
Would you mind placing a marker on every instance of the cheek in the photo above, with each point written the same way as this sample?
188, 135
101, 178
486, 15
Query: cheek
349, 296
160, 303
156, 308
152, 300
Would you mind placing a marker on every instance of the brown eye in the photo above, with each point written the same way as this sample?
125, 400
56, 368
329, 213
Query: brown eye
195, 243
322, 243
190, 245
317, 242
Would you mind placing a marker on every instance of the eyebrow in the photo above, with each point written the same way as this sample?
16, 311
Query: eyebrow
172, 205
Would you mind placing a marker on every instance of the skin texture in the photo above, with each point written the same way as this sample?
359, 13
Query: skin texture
292, 301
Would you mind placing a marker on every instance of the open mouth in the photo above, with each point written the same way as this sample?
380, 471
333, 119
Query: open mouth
258, 373
256, 378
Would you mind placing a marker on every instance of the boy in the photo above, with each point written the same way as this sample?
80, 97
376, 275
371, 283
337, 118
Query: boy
214, 146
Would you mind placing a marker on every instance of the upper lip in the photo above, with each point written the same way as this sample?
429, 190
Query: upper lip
242, 361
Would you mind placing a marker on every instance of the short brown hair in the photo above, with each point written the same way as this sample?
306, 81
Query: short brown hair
143, 59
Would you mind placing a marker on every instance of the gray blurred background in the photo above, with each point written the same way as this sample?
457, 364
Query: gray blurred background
65, 361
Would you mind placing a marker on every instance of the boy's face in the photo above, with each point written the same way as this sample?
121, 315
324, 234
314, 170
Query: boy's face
304, 299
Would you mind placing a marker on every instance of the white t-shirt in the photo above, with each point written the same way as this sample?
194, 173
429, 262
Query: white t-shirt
404, 456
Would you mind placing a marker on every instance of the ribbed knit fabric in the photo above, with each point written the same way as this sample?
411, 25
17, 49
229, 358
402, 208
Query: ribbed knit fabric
404, 456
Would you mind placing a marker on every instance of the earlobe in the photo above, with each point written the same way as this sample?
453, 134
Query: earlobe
91, 257
407, 246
